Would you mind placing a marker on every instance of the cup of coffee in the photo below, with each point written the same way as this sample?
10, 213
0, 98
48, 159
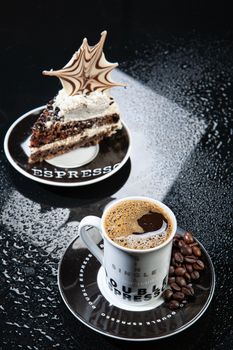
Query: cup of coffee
137, 234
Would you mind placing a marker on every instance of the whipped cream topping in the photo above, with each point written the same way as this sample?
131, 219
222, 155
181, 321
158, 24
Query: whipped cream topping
83, 106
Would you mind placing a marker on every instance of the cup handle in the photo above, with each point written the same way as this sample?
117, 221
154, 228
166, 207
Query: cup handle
87, 240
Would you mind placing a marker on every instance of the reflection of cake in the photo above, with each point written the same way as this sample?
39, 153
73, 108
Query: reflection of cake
82, 113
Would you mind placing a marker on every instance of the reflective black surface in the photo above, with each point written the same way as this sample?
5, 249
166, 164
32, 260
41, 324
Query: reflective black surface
177, 60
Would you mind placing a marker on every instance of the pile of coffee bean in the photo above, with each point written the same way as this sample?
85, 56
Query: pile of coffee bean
185, 268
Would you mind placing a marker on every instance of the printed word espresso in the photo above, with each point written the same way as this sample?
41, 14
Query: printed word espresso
140, 294
72, 174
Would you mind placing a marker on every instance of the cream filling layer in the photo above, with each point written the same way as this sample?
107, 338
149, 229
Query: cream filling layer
76, 138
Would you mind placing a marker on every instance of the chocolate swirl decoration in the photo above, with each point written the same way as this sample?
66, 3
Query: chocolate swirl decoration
87, 71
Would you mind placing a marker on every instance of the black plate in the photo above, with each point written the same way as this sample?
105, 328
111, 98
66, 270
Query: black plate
77, 276
113, 154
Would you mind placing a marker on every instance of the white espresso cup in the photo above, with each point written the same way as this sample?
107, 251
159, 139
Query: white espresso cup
132, 279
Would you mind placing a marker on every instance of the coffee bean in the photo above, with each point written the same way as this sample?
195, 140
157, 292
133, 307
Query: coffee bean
181, 244
193, 244
189, 267
190, 287
179, 296
196, 251
179, 257
180, 271
178, 264
188, 238
195, 275
187, 277
199, 265
187, 291
190, 259
167, 294
195, 266
185, 267
176, 243
171, 270
171, 280
186, 250
175, 287
180, 281
173, 305
177, 236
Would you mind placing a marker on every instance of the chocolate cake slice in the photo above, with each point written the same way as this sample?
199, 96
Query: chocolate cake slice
56, 131
82, 113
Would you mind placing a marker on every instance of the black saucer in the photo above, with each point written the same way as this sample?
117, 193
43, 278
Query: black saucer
77, 281
108, 157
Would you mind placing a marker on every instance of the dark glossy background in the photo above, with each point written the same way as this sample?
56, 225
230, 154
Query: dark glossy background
182, 51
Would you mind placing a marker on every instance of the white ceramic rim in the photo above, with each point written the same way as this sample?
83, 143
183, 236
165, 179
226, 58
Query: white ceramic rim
60, 184
155, 201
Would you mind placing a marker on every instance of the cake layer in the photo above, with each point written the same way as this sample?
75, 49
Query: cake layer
60, 131
86, 138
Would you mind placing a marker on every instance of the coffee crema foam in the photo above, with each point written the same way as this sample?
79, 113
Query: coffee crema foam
123, 224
